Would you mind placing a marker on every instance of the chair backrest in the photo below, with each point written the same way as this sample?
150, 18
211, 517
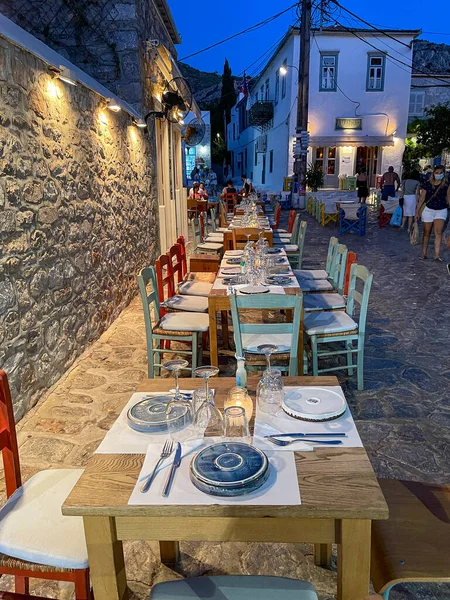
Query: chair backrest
213, 219
291, 220
351, 211
174, 254
181, 241
239, 236
8, 438
332, 246
295, 229
351, 259
196, 232
164, 280
277, 214
223, 215
338, 267
192, 204
359, 273
230, 201
300, 241
268, 302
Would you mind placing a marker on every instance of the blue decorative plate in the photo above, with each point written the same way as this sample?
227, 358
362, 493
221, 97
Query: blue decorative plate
273, 250
234, 261
229, 469
279, 279
230, 280
149, 415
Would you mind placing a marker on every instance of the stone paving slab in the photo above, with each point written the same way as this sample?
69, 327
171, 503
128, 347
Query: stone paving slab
403, 414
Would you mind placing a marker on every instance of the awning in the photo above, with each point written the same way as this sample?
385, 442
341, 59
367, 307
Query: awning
352, 140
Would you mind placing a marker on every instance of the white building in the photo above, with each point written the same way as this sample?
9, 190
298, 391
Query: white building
358, 107
200, 154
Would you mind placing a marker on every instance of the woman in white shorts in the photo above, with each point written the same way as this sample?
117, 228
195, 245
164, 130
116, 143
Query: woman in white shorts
434, 201
409, 187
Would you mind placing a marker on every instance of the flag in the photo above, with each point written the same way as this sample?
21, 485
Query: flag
244, 87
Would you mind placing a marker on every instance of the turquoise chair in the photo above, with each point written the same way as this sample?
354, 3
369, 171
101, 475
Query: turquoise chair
248, 336
176, 326
288, 238
320, 273
329, 327
337, 279
234, 587
211, 235
201, 247
294, 251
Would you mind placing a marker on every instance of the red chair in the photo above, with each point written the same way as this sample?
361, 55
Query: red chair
384, 217
164, 279
351, 258
56, 554
277, 216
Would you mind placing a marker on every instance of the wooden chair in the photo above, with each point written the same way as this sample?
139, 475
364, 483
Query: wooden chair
198, 236
353, 218
234, 587
248, 336
414, 543
186, 327
295, 251
290, 225
36, 540
315, 274
168, 300
329, 327
280, 240
335, 282
329, 212
211, 235
192, 208
275, 222
239, 236
230, 202
177, 254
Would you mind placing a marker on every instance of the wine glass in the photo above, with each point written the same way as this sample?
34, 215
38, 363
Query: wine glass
267, 350
206, 372
175, 366
208, 415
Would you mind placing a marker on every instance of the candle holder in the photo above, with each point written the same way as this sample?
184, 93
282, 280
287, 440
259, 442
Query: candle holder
238, 396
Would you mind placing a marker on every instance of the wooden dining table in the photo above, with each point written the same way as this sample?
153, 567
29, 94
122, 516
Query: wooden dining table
218, 301
340, 496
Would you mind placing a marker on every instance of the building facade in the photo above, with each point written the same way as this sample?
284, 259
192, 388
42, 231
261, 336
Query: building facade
426, 92
358, 107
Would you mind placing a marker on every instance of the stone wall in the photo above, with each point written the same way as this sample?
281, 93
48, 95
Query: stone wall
78, 219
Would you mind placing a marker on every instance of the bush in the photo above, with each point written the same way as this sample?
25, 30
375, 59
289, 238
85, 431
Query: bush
314, 177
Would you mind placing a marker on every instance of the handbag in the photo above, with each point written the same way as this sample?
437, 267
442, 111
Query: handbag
396, 219
425, 204
414, 235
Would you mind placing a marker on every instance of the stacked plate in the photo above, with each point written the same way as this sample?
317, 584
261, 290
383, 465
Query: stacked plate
229, 469
149, 415
314, 404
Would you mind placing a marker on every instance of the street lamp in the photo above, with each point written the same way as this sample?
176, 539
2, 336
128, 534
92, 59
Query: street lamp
284, 69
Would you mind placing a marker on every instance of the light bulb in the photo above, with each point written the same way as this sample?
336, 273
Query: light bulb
113, 105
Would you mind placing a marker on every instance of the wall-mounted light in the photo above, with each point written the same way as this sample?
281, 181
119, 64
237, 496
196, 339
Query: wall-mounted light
65, 74
283, 70
181, 122
113, 105
140, 123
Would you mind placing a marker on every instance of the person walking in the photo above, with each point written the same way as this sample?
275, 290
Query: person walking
432, 208
410, 188
362, 185
390, 182
213, 183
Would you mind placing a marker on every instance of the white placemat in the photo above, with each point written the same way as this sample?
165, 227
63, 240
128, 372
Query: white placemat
121, 439
282, 423
273, 289
281, 489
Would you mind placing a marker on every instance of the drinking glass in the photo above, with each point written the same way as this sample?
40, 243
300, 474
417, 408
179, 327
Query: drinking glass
270, 392
267, 350
236, 424
175, 366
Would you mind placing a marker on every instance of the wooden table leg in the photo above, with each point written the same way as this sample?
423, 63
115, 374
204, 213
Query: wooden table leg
213, 352
106, 561
353, 559
225, 339
170, 553
322, 555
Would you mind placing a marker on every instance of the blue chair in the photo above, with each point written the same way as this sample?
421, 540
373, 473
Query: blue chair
353, 218
335, 282
176, 326
320, 273
248, 336
294, 251
234, 587
329, 327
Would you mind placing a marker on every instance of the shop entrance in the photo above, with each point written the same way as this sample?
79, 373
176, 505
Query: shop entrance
367, 157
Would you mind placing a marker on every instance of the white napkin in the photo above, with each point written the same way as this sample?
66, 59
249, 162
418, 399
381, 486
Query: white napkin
273, 289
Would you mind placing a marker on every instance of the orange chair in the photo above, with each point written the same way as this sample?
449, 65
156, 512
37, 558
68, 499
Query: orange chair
59, 554
351, 258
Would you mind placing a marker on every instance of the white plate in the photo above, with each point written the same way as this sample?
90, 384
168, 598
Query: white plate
254, 289
314, 404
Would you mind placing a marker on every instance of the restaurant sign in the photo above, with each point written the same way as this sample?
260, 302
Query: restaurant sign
346, 123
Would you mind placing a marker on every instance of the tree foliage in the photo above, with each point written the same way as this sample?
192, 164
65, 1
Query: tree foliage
228, 95
433, 133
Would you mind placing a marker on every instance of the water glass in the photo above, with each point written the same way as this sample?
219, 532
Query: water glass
270, 392
236, 424
180, 419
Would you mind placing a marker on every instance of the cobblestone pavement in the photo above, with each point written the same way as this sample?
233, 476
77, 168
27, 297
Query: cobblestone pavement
403, 415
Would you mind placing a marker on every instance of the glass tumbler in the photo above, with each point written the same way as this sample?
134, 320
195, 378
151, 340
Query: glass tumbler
270, 392
236, 424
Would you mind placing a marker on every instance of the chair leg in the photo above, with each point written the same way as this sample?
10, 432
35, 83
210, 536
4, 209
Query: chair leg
82, 584
194, 351
157, 370
315, 358
360, 365
349, 346
22, 585
386, 592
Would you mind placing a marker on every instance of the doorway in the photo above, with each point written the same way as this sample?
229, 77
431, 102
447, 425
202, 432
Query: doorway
367, 158
326, 160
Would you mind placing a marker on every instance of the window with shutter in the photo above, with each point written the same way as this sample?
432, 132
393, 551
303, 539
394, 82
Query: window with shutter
375, 72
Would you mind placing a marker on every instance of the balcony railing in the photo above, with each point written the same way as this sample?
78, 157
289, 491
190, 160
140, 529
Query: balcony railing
260, 113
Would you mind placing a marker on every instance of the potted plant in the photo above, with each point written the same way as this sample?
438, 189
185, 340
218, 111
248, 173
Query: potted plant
314, 177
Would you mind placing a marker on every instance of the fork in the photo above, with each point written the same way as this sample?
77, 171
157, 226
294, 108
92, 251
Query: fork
166, 452
278, 442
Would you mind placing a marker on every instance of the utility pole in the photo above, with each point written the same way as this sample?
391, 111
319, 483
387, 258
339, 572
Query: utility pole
302, 141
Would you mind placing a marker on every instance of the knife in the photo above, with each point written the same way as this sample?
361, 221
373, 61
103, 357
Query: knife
300, 435
176, 463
